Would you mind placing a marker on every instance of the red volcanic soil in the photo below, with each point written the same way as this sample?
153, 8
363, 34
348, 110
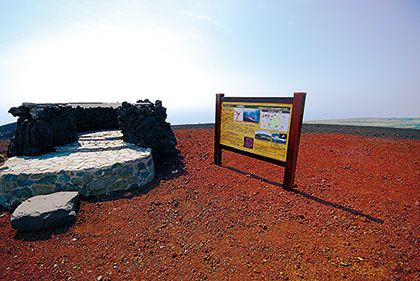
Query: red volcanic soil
354, 215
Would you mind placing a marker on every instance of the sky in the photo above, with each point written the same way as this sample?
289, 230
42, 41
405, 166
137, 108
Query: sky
355, 58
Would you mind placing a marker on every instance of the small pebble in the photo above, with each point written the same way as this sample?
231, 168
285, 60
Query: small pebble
344, 263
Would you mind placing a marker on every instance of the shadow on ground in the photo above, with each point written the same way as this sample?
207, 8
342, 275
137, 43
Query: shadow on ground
311, 197
41, 235
166, 169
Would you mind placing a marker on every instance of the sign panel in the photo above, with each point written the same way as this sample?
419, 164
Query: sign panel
259, 128
266, 128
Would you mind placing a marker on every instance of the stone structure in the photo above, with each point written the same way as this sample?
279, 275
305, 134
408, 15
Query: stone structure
45, 211
143, 124
98, 163
41, 127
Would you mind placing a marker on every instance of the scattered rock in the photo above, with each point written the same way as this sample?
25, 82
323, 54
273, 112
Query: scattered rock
157, 203
344, 263
128, 195
263, 226
176, 203
45, 211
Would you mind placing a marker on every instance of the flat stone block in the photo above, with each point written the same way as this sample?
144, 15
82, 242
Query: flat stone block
101, 183
141, 166
9, 177
4, 199
48, 179
22, 193
40, 189
70, 187
7, 186
78, 181
120, 185
45, 211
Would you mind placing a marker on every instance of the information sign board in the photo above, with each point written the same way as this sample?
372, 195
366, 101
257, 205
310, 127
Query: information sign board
260, 128
263, 128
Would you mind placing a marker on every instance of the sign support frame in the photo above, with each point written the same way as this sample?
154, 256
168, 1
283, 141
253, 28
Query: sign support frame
298, 105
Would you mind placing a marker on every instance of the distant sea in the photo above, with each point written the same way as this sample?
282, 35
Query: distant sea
405, 123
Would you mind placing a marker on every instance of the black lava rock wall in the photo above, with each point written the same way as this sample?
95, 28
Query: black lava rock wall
95, 118
40, 128
144, 125
43, 126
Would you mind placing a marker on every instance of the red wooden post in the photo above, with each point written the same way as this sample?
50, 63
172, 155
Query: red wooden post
294, 138
217, 149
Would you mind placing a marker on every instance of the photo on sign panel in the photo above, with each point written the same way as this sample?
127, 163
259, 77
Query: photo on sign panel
252, 115
279, 138
248, 142
263, 135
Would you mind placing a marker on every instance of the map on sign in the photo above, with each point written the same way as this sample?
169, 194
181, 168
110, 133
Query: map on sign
275, 120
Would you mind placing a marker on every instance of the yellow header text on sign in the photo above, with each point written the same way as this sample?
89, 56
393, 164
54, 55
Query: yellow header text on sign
259, 128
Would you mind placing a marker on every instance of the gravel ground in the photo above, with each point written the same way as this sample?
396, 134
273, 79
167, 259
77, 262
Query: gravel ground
353, 215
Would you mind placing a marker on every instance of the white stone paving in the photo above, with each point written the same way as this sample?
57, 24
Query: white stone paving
92, 150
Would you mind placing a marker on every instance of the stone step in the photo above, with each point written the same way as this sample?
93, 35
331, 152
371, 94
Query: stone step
98, 163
